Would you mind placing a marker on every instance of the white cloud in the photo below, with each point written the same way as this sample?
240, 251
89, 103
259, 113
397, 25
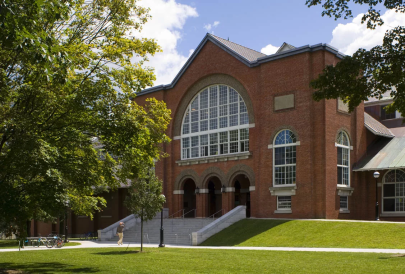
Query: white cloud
269, 49
168, 19
208, 27
351, 36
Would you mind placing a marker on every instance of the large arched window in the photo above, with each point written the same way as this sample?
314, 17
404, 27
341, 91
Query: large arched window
343, 159
284, 158
394, 191
216, 122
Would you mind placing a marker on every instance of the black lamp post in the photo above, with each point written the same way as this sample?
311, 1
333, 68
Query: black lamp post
223, 189
161, 226
65, 221
376, 175
197, 190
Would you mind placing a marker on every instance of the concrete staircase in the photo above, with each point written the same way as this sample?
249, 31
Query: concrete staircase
176, 231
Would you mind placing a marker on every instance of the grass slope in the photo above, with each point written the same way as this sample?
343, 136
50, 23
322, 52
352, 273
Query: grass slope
173, 260
297, 233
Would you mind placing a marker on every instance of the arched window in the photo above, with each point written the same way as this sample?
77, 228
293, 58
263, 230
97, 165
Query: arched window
216, 122
284, 158
394, 191
343, 159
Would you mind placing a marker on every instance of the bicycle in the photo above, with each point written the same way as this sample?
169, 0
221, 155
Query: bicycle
88, 236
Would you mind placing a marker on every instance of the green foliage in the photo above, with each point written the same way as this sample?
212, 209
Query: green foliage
145, 197
368, 73
68, 73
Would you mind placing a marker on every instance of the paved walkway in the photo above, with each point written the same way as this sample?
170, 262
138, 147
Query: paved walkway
97, 244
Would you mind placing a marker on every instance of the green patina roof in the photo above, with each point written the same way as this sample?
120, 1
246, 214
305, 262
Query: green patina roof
390, 156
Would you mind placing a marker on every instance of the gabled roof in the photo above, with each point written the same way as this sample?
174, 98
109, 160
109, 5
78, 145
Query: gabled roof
247, 53
376, 127
285, 47
249, 57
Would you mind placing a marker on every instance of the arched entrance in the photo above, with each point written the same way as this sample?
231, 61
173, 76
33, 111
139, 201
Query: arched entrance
241, 184
189, 199
214, 197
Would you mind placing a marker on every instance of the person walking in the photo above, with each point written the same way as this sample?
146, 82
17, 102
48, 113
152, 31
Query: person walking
120, 232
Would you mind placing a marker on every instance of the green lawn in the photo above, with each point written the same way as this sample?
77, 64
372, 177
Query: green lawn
173, 260
252, 232
14, 244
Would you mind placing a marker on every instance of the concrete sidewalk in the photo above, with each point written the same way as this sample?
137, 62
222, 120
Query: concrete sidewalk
97, 244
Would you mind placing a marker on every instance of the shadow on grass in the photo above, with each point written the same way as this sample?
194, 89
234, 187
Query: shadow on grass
50, 267
8, 244
117, 252
242, 231
392, 256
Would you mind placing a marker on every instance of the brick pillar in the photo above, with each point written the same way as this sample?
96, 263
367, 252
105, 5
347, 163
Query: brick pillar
201, 205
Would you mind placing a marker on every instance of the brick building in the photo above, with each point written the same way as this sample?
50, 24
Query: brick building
246, 131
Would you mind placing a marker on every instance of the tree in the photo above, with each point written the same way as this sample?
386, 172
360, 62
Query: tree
368, 73
145, 197
69, 70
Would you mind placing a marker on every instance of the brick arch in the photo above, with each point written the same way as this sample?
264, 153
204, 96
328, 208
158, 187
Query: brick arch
202, 83
280, 128
210, 172
345, 130
184, 175
237, 170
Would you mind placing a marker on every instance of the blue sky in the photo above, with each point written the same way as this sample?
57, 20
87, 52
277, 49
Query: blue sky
262, 25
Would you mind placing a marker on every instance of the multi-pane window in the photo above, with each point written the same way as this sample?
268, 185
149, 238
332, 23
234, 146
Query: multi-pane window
284, 158
344, 204
394, 191
343, 159
283, 202
216, 122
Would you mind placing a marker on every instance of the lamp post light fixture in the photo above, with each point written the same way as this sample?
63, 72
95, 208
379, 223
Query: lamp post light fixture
161, 225
197, 190
376, 175
223, 189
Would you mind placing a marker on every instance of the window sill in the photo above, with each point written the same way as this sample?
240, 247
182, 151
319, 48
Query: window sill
214, 159
344, 190
393, 214
283, 211
283, 190
344, 211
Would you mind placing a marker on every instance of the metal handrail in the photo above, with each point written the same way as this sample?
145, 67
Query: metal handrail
175, 214
214, 214
188, 213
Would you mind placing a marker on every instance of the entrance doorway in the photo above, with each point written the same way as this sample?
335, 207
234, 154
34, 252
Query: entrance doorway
214, 197
242, 194
189, 199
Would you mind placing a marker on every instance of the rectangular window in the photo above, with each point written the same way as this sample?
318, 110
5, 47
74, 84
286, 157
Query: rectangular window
213, 124
194, 147
204, 145
244, 139
244, 119
186, 128
194, 104
344, 202
385, 115
223, 122
283, 202
233, 96
223, 95
223, 142
204, 125
204, 114
204, 99
213, 96
186, 148
214, 144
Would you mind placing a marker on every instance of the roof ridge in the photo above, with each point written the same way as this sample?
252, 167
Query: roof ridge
380, 124
237, 44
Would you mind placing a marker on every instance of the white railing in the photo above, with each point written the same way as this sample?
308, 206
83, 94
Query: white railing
233, 216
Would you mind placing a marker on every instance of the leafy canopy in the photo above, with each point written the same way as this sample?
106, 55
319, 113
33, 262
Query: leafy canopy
69, 70
368, 73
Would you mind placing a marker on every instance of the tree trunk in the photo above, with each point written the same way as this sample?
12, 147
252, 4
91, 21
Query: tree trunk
142, 230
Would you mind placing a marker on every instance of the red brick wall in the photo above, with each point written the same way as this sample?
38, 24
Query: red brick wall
316, 124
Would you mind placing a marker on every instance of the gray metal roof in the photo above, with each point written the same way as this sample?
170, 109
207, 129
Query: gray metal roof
247, 53
249, 57
390, 156
376, 127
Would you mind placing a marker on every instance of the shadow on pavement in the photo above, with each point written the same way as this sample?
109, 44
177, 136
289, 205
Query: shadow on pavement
49, 267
